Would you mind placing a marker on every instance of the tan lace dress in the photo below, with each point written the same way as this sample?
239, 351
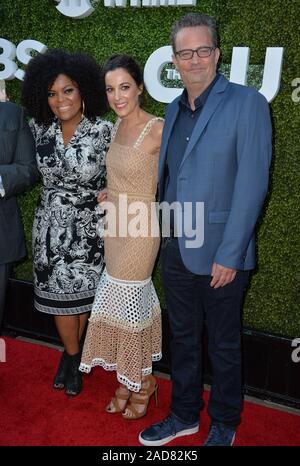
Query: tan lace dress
124, 329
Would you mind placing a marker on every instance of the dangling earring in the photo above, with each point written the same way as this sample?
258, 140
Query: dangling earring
82, 108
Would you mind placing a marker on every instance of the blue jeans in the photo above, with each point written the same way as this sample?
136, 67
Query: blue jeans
191, 304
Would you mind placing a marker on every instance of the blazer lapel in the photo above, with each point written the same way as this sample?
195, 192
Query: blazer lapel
214, 99
169, 123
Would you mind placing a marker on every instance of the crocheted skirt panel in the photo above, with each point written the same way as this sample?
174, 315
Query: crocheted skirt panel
124, 330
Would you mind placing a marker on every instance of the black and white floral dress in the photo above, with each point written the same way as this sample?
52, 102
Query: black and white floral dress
67, 252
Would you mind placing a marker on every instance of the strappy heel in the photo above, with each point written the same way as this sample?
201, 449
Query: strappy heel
141, 398
114, 402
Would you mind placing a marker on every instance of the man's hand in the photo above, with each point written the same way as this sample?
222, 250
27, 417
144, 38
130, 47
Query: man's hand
102, 196
221, 275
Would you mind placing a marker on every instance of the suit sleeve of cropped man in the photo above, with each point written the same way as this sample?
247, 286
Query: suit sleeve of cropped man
19, 170
253, 151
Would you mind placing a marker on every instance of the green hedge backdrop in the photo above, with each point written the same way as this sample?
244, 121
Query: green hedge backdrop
273, 300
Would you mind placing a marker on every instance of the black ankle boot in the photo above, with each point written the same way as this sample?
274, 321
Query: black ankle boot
61, 374
73, 383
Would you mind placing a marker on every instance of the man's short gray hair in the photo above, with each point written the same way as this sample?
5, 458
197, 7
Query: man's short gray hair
193, 20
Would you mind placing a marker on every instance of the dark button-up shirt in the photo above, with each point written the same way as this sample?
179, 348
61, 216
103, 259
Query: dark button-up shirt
180, 136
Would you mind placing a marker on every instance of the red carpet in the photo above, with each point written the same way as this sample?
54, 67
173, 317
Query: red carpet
32, 413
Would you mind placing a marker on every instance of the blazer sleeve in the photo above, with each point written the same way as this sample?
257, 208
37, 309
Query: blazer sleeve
22, 172
254, 151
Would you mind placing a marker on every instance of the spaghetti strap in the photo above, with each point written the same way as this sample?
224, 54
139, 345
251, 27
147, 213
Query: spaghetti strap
146, 131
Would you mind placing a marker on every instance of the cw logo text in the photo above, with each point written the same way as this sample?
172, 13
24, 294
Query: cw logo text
154, 66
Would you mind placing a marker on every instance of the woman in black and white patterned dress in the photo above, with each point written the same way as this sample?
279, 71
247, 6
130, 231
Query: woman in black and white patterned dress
64, 94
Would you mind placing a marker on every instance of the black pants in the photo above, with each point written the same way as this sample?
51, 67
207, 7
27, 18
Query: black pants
4, 276
190, 302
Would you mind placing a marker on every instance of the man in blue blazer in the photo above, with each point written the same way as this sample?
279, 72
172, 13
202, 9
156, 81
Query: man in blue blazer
17, 172
214, 165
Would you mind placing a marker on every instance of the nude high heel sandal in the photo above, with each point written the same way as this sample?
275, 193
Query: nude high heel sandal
149, 388
122, 393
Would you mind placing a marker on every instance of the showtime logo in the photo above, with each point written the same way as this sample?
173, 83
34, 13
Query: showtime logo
82, 8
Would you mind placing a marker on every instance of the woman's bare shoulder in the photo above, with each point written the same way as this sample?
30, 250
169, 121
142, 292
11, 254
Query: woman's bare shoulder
157, 127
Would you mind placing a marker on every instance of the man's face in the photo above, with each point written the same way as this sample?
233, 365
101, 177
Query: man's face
196, 72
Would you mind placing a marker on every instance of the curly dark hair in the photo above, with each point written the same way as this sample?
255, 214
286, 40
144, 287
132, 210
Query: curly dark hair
43, 69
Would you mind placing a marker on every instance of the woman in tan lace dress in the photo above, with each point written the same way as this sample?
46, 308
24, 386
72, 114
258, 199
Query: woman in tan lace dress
124, 331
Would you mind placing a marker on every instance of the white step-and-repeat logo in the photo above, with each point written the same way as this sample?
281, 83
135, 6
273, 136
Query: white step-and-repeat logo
157, 62
154, 66
81, 8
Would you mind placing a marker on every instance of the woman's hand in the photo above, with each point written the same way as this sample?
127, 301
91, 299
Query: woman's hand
102, 196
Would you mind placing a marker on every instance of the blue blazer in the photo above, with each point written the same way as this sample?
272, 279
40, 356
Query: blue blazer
226, 167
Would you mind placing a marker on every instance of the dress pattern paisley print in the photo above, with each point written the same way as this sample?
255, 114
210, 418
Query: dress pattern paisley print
67, 252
